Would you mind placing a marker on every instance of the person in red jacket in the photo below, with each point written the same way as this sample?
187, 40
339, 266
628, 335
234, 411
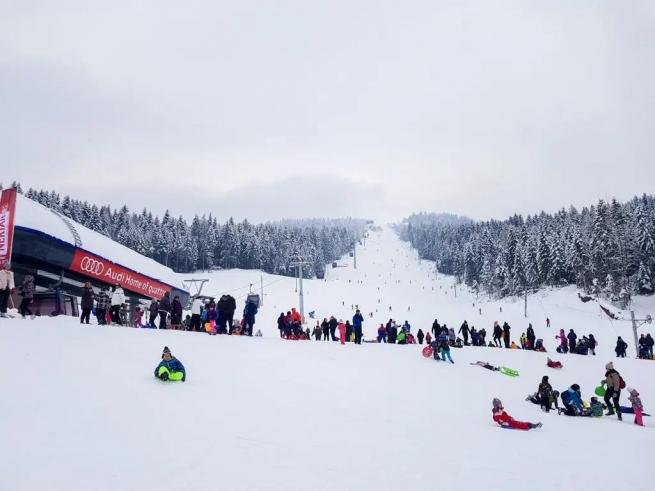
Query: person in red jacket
506, 421
342, 332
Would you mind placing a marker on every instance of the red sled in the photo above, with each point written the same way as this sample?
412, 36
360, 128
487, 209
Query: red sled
427, 351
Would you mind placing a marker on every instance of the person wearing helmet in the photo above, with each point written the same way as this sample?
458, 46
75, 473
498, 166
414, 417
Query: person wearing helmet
501, 417
170, 368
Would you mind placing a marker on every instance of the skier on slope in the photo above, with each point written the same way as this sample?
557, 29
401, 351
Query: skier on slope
170, 368
501, 417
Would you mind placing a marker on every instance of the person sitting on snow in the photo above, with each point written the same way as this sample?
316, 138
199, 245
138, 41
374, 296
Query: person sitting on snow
170, 368
595, 409
506, 421
536, 399
553, 364
572, 400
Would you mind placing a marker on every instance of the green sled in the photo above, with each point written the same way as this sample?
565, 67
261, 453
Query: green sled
600, 391
509, 372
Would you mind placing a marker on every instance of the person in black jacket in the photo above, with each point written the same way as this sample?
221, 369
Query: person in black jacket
229, 307
506, 329
392, 332
325, 326
544, 393
436, 329
572, 337
464, 331
420, 336
621, 346
164, 309
530, 335
498, 334
87, 303
333, 327
176, 311
281, 323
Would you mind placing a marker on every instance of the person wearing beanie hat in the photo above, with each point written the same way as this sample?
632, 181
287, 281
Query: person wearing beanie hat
170, 368
501, 417
612, 382
637, 406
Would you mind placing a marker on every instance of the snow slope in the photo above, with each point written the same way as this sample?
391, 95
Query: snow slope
81, 409
389, 271
35, 216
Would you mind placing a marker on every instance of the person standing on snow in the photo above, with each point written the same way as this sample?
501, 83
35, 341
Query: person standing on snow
325, 326
506, 329
117, 299
249, 313
506, 421
420, 336
342, 332
612, 390
196, 310
27, 292
621, 346
153, 310
358, 320
7, 287
87, 302
529, 334
176, 312
563, 342
464, 331
164, 309
103, 304
333, 327
572, 337
497, 334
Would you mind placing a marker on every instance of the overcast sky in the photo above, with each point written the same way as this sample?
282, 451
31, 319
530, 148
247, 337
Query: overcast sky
271, 109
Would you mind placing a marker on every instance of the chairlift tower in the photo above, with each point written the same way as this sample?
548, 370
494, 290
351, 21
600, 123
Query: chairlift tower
298, 263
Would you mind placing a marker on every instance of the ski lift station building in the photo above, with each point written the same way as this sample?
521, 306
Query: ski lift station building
62, 255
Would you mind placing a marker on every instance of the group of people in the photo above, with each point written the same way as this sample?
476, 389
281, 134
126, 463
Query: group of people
573, 404
569, 343
218, 317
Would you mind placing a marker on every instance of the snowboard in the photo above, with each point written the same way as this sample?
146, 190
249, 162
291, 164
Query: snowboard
600, 391
509, 372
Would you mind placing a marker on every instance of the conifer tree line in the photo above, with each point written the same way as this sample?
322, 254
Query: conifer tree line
205, 243
606, 249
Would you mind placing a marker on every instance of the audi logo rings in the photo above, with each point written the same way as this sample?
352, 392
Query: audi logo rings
93, 266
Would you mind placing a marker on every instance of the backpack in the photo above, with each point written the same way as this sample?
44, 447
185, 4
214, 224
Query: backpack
621, 382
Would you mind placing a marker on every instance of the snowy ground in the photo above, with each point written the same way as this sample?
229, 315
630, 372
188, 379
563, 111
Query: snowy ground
82, 411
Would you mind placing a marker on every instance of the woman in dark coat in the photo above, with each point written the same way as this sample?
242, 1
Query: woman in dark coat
87, 303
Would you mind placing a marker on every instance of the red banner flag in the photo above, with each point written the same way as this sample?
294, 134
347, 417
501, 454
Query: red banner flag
7, 213
96, 267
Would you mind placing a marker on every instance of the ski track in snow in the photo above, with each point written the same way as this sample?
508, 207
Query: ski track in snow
81, 409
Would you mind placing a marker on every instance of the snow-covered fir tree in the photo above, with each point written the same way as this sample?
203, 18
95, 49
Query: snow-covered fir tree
603, 249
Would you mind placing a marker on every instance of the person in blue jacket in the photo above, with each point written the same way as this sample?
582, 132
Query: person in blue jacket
358, 320
572, 400
170, 368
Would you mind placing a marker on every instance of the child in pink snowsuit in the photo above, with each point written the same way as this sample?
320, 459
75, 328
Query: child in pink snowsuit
342, 332
637, 406
138, 313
